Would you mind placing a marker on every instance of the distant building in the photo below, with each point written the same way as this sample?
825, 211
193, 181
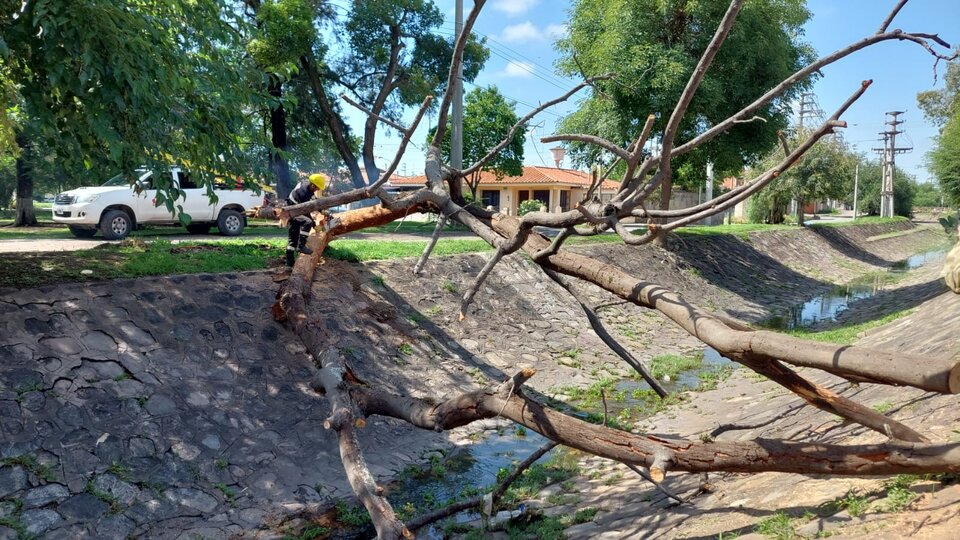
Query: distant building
558, 189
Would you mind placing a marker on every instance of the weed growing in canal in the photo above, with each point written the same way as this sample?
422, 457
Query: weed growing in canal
671, 365
883, 407
559, 468
777, 526
352, 515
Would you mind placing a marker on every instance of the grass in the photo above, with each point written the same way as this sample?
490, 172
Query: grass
560, 467
671, 365
865, 220
740, 230
352, 515
375, 250
846, 335
777, 526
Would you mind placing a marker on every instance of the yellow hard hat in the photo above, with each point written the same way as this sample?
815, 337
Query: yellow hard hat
318, 180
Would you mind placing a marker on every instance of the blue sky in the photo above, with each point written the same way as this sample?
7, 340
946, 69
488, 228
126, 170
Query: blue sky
521, 34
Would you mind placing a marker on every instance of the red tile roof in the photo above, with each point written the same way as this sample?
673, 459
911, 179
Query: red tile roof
532, 174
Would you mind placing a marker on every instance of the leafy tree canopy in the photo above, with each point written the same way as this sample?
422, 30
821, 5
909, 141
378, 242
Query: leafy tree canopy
130, 83
944, 159
374, 27
939, 105
824, 172
653, 47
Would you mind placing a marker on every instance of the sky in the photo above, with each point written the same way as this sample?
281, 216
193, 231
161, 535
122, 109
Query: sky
521, 34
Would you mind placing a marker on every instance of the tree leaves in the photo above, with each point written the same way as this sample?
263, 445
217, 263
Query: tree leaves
653, 47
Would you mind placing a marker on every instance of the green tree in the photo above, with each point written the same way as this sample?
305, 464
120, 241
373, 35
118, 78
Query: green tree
653, 47
870, 182
940, 105
487, 119
386, 54
824, 172
127, 83
928, 195
944, 159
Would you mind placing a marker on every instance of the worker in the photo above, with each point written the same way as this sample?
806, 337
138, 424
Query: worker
299, 227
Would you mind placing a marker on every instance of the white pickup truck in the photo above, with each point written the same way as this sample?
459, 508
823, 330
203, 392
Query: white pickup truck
116, 207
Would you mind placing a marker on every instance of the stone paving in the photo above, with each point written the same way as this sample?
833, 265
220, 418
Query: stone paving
177, 408
164, 408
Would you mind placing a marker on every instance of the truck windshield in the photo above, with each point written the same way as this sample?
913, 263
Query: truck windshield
121, 180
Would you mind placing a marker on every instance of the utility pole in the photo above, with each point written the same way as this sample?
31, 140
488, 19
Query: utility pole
856, 180
456, 134
888, 151
709, 190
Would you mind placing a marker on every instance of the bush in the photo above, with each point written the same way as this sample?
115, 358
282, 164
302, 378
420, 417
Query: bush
529, 205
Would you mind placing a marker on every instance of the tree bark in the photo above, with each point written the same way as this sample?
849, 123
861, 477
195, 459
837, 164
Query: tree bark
370, 126
338, 130
662, 454
26, 215
278, 138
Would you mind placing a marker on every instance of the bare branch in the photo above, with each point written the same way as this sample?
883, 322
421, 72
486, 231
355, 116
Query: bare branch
670, 132
605, 336
496, 495
590, 139
386, 121
441, 221
893, 13
478, 282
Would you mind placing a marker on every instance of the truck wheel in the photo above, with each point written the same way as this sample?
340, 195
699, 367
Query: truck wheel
115, 224
230, 222
82, 233
198, 228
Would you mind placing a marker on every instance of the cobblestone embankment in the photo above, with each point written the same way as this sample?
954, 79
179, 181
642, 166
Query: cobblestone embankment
175, 407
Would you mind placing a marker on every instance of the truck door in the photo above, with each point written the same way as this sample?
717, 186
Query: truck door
196, 204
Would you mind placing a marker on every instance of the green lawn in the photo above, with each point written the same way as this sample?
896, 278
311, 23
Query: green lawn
865, 220
846, 335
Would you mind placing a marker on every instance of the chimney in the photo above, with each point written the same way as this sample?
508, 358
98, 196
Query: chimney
558, 153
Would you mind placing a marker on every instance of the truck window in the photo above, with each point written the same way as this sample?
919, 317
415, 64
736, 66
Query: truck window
186, 180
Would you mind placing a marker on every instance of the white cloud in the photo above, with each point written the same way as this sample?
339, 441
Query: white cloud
522, 33
514, 7
556, 31
517, 69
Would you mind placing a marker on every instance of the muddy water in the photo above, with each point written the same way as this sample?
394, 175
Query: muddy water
827, 306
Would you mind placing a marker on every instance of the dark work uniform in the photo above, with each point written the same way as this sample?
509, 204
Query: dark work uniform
300, 226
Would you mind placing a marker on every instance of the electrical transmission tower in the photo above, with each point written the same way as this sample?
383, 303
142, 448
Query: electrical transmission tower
889, 150
810, 112
811, 115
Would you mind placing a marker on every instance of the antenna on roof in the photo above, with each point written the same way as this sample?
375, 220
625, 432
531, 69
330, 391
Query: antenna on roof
558, 153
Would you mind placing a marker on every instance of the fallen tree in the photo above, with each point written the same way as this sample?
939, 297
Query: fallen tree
765, 352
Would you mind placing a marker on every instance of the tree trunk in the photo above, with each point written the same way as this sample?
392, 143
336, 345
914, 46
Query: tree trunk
25, 216
278, 137
338, 130
800, 210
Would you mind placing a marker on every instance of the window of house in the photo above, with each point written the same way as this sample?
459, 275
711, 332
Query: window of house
564, 200
490, 197
522, 195
542, 195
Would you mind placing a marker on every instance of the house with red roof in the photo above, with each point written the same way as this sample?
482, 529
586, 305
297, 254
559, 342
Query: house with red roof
558, 189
